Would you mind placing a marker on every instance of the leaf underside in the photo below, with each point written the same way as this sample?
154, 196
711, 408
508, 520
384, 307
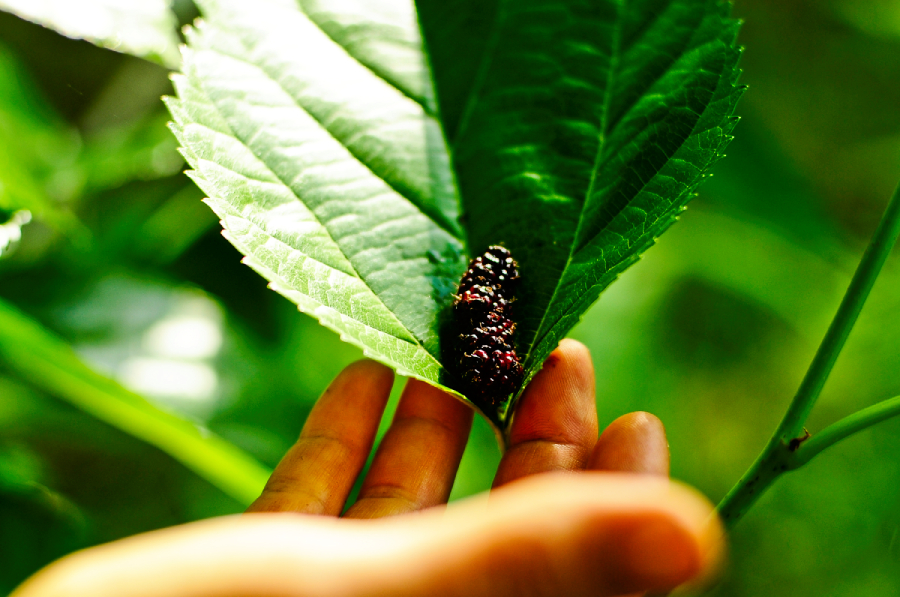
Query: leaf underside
359, 153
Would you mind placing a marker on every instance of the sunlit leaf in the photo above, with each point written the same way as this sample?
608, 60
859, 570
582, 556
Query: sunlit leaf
334, 181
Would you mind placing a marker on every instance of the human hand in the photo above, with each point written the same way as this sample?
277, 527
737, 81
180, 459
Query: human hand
603, 531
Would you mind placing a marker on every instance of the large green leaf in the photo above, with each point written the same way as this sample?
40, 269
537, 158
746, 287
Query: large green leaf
572, 132
334, 181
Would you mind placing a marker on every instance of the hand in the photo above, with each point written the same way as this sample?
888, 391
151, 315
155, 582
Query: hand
604, 531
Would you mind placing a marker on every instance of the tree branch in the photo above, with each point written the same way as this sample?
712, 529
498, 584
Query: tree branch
782, 452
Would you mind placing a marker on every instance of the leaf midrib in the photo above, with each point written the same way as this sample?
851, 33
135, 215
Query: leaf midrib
481, 73
426, 56
615, 55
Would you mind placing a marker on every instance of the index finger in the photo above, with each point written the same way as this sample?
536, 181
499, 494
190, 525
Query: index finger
555, 425
317, 473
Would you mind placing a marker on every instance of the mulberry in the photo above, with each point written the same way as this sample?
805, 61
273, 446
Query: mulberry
485, 353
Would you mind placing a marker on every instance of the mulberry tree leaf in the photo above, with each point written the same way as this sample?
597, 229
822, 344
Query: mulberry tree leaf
358, 152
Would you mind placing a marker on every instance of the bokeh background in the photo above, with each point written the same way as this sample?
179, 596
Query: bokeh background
712, 330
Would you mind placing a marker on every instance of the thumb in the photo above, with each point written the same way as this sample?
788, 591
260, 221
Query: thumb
597, 534
586, 534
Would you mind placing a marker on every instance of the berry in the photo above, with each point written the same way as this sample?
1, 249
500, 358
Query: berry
495, 268
485, 353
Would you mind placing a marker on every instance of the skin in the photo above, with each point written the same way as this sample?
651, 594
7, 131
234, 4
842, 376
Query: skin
570, 513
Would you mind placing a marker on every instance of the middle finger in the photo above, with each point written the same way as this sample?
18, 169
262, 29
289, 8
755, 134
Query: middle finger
555, 426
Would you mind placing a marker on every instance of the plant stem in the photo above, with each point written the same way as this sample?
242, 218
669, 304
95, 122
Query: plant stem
780, 454
846, 427
774, 460
857, 293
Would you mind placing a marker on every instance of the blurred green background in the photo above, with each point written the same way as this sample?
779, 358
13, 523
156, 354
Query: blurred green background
712, 330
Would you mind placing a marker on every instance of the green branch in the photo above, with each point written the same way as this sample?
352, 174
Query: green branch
781, 453
846, 427
857, 293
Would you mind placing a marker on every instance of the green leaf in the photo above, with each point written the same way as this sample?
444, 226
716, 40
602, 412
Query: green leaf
144, 28
571, 132
49, 363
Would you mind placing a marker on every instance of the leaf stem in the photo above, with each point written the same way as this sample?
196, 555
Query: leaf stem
846, 427
50, 364
782, 451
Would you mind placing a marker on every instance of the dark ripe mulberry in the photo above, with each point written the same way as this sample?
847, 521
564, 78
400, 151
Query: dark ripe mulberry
502, 376
478, 274
504, 267
476, 303
485, 352
508, 363
478, 295
472, 342
489, 337
495, 268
